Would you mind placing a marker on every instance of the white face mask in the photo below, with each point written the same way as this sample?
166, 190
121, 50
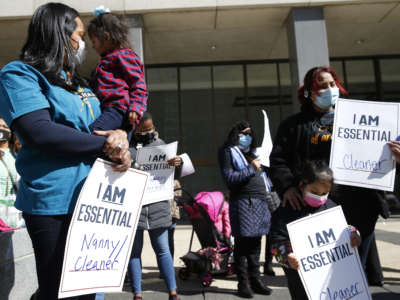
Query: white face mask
81, 52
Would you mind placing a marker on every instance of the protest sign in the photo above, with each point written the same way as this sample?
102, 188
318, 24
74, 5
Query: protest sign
102, 231
359, 154
329, 267
264, 151
161, 181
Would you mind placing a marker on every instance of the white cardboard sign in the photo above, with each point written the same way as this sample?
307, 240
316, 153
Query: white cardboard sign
161, 181
359, 154
102, 231
329, 267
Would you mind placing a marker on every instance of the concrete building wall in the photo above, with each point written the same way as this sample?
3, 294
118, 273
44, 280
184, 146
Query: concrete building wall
24, 8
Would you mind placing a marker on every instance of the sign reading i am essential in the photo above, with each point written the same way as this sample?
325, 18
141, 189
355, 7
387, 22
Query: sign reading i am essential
359, 154
102, 231
153, 160
329, 267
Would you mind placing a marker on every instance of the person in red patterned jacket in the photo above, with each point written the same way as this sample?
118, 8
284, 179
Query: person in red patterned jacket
118, 80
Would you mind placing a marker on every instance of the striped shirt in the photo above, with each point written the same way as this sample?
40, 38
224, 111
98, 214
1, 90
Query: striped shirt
119, 81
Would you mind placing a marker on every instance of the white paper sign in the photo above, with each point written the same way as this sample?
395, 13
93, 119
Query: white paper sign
154, 161
266, 147
329, 267
187, 167
359, 154
102, 231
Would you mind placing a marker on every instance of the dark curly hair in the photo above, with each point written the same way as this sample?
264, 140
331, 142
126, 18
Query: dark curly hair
110, 26
315, 170
233, 136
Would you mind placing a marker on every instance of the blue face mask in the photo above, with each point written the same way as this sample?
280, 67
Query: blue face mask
244, 141
327, 98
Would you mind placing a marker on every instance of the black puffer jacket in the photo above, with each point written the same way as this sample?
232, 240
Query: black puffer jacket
305, 135
308, 136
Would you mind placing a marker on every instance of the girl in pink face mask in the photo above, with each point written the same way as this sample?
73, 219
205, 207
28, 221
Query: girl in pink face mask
316, 183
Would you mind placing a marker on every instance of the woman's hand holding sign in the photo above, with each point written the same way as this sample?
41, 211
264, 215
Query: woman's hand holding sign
394, 146
116, 148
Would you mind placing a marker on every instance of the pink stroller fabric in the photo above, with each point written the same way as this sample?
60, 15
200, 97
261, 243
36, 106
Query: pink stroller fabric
211, 202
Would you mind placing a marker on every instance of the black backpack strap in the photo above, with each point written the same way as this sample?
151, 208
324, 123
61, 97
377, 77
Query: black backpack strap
220, 208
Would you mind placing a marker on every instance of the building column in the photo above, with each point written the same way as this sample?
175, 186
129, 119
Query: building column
308, 45
135, 34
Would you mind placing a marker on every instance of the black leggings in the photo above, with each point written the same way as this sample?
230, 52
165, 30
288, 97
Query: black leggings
48, 235
296, 288
247, 257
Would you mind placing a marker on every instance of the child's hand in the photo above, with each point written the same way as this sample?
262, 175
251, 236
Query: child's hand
293, 261
132, 117
355, 239
256, 164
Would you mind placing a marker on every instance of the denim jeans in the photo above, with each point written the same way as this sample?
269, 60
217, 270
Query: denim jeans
171, 231
159, 242
99, 296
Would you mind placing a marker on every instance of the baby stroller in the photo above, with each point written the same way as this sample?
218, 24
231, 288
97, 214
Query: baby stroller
216, 255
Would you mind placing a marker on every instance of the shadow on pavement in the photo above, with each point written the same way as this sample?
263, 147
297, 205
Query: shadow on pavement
386, 269
385, 296
192, 286
387, 236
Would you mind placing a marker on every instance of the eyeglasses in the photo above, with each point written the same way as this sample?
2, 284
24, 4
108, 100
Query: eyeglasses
245, 133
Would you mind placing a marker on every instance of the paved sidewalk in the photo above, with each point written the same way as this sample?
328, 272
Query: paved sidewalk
388, 240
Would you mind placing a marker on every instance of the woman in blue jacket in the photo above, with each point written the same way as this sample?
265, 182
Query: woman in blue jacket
248, 209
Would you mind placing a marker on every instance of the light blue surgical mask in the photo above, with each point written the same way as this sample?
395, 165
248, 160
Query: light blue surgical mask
327, 98
244, 142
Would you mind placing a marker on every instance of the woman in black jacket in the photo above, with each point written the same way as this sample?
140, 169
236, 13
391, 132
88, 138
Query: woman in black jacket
307, 135
248, 209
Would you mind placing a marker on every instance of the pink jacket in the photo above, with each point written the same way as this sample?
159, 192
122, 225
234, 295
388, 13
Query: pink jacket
211, 202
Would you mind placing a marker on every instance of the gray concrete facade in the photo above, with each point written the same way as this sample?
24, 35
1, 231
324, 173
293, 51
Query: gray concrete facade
307, 43
135, 34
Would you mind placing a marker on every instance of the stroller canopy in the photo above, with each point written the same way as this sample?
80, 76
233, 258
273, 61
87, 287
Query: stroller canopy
211, 202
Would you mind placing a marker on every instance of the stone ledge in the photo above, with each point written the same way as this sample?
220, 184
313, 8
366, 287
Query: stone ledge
14, 244
17, 265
